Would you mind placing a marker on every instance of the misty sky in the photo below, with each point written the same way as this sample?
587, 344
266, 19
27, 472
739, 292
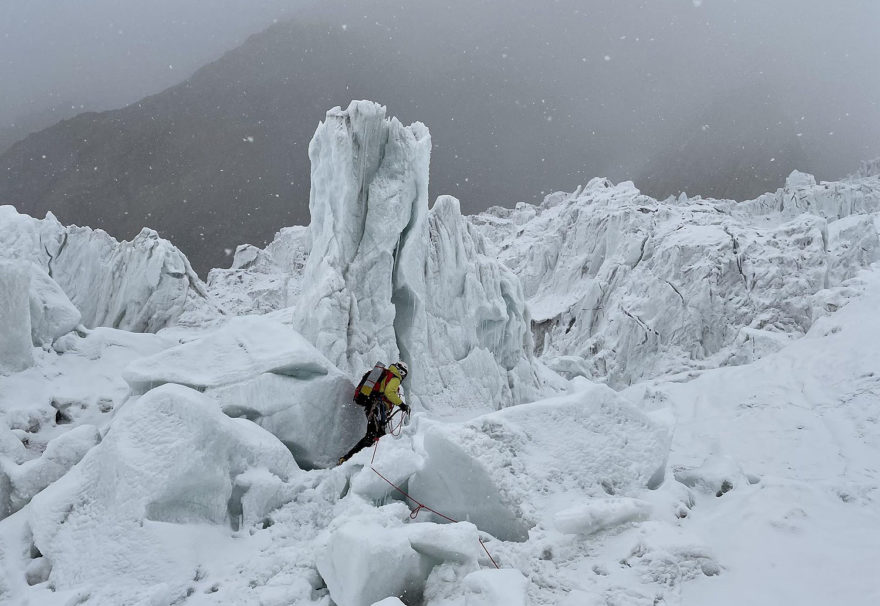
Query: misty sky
104, 54
654, 74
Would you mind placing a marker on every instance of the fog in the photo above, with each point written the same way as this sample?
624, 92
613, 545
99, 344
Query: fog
62, 57
674, 94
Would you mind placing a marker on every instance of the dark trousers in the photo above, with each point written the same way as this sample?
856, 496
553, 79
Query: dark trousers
375, 430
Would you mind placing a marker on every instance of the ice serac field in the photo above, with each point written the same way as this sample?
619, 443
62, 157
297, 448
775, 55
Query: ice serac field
617, 400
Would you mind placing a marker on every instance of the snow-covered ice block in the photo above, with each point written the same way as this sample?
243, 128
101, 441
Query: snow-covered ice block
239, 350
312, 415
263, 280
363, 564
60, 455
52, 313
512, 469
368, 203
458, 543
598, 514
16, 345
169, 460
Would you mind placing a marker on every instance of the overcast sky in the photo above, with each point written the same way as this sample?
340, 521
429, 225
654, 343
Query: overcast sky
660, 73
104, 54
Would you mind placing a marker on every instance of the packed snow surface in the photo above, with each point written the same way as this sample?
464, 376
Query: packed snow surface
709, 432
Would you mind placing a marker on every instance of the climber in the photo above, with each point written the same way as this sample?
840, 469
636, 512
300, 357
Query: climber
379, 392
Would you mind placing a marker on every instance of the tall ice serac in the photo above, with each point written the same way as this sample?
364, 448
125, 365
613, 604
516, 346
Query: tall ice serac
369, 197
387, 279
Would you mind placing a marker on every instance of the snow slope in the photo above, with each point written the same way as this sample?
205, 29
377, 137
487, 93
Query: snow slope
195, 465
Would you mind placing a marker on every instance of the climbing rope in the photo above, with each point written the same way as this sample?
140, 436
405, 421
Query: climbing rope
419, 505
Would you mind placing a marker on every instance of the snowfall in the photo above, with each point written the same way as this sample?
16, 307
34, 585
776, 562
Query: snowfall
615, 399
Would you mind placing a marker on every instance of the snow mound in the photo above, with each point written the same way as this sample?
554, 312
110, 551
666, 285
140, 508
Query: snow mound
170, 458
142, 285
510, 470
641, 288
239, 350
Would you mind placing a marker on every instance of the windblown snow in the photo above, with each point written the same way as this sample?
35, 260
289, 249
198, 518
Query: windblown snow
617, 400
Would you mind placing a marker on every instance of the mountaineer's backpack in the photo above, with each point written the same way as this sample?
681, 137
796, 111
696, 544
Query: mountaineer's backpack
368, 387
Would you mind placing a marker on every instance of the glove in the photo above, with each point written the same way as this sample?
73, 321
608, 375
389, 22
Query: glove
404, 408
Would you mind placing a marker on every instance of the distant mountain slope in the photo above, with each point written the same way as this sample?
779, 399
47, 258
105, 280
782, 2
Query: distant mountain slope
221, 159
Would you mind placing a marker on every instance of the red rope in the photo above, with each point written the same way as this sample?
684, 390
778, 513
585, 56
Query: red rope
420, 506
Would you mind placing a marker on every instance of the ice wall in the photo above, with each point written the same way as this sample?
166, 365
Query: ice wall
142, 285
369, 196
623, 287
386, 278
15, 326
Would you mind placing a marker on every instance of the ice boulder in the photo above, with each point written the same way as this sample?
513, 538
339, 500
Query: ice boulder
170, 463
16, 347
259, 368
510, 470
52, 313
365, 562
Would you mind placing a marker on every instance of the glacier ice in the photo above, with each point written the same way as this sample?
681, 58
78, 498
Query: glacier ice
142, 285
640, 288
52, 313
368, 202
262, 280
495, 469
169, 457
386, 278
680, 489
15, 319
30, 477
263, 370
